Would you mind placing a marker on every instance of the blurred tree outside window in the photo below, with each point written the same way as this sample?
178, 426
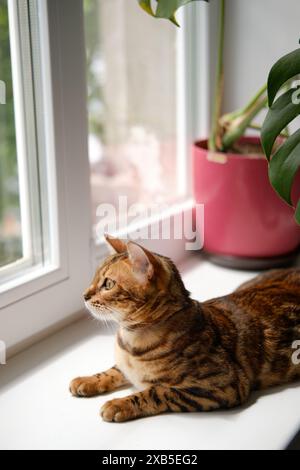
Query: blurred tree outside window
10, 217
132, 108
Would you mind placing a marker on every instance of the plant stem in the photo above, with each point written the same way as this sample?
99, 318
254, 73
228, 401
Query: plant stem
236, 128
215, 134
257, 127
255, 98
227, 118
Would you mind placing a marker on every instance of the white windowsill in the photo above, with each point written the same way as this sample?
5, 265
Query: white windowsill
37, 411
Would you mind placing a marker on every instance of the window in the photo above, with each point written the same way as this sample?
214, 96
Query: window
46, 258
137, 146
22, 222
11, 248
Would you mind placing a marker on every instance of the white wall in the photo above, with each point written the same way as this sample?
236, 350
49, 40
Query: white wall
258, 32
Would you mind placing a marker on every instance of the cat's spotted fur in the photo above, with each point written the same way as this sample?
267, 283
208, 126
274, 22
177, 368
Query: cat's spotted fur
184, 355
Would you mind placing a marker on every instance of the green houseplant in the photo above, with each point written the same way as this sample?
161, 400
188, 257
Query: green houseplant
284, 165
246, 224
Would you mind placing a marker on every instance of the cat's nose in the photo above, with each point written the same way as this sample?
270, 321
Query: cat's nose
87, 296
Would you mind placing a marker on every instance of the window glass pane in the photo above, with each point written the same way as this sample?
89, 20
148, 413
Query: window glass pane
132, 80
25, 243
10, 218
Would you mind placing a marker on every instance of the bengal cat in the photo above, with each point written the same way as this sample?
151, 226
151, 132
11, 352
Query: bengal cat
184, 355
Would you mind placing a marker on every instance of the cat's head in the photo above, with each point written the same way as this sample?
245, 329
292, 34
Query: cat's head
134, 286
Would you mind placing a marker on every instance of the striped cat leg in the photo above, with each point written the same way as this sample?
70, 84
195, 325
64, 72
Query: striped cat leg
159, 399
149, 402
107, 381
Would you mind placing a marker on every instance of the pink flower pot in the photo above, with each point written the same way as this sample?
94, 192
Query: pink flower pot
244, 217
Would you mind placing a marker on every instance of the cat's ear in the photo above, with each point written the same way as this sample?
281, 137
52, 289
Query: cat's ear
141, 264
118, 245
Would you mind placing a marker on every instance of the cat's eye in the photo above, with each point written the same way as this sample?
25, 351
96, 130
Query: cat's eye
108, 284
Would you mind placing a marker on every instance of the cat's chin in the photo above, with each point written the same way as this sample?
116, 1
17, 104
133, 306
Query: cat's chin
102, 314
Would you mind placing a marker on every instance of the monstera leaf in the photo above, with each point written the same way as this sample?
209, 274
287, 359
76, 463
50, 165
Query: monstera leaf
165, 8
284, 165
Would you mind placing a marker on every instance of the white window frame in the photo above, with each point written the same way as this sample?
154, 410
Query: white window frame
51, 297
48, 296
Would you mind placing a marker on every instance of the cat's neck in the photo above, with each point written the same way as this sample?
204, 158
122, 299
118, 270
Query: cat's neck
137, 336
158, 310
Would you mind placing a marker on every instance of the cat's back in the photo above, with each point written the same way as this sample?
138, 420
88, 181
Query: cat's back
288, 279
262, 312
264, 318
266, 292
272, 295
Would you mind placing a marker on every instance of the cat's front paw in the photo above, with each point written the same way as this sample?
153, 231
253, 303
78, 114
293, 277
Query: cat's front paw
118, 411
85, 387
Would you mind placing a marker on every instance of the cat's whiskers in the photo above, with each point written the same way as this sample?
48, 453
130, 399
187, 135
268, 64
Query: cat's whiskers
105, 314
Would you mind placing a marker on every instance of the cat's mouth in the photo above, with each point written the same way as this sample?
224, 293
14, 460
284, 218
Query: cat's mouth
101, 312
